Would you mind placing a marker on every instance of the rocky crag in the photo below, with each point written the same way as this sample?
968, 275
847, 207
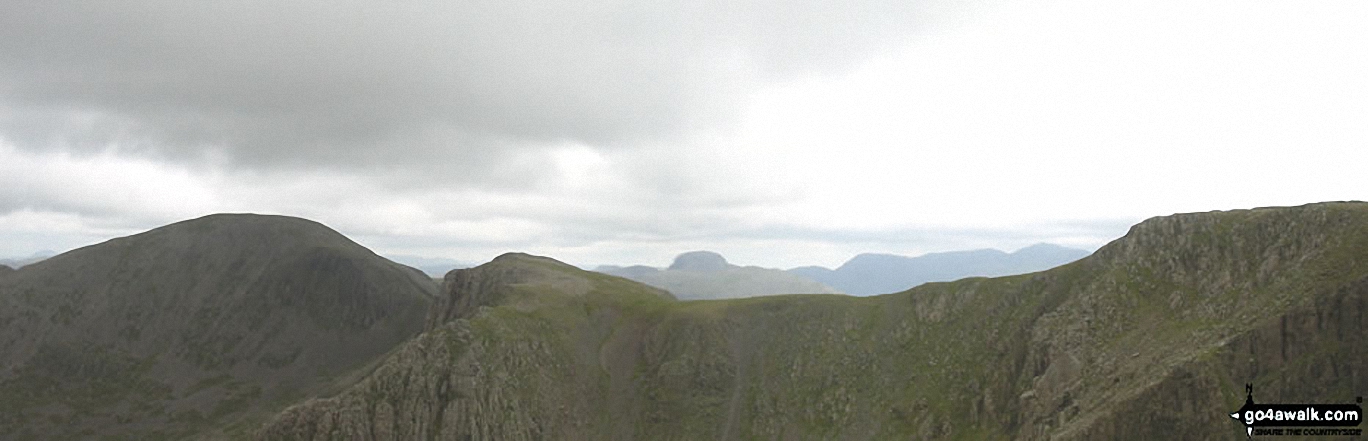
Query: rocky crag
1151, 337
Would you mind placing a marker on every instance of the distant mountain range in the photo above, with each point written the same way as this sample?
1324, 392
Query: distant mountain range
870, 274
707, 275
17, 262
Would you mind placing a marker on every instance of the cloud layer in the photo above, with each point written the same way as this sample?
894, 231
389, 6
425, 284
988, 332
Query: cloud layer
778, 133
354, 84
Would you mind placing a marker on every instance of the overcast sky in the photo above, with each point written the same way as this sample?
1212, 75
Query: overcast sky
777, 133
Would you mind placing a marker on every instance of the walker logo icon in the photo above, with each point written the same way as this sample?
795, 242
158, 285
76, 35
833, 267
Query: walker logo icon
1290, 419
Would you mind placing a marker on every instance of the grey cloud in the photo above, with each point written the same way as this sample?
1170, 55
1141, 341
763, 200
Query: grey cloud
354, 84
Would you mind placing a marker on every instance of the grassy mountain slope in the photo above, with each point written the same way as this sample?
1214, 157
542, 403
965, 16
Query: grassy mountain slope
870, 274
198, 328
1151, 337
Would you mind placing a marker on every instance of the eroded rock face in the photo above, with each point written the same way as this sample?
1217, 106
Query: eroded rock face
1153, 337
492, 367
1157, 321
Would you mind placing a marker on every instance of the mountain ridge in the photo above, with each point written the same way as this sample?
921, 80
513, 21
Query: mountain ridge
1153, 336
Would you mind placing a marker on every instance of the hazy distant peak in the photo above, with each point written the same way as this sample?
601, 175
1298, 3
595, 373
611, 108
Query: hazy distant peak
885, 259
707, 275
19, 262
874, 273
700, 261
631, 272
1045, 248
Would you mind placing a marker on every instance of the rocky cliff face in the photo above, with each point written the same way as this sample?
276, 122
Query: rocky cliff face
196, 329
518, 280
1184, 310
523, 347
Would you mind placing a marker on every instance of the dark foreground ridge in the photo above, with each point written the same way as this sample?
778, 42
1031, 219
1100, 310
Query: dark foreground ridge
198, 329
1151, 337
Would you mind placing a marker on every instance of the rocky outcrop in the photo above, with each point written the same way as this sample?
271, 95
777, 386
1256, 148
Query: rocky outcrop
1163, 324
512, 278
520, 348
1151, 337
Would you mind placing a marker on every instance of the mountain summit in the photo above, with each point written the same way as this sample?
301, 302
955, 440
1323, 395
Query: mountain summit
699, 261
196, 327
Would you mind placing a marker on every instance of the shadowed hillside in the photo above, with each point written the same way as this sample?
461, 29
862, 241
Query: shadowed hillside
198, 328
707, 275
1151, 337
869, 274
